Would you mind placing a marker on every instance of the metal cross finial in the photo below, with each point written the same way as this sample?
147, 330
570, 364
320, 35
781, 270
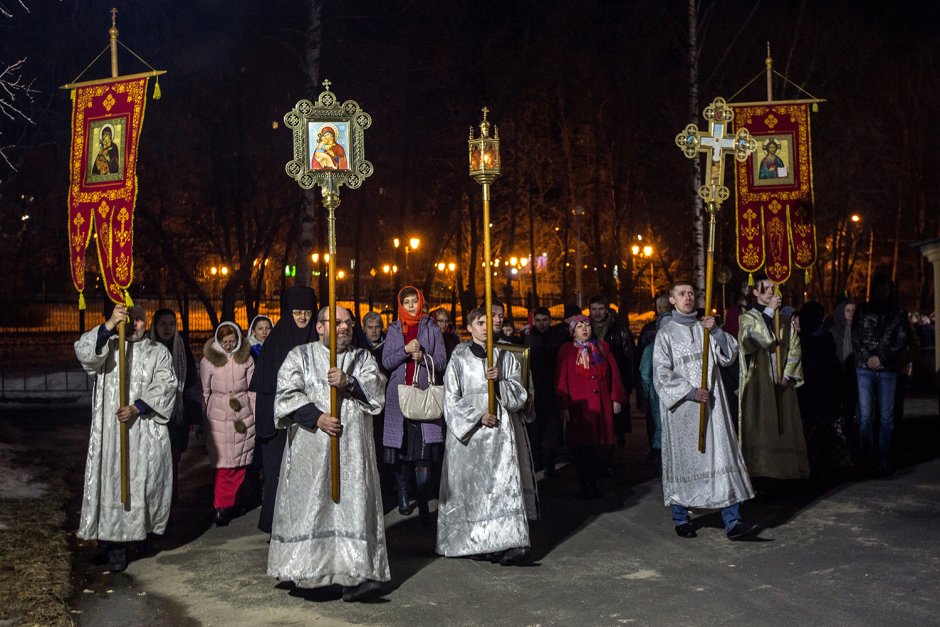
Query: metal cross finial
485, 111
326, 84
114, 17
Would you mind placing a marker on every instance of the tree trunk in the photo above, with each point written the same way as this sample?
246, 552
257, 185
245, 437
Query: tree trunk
314, 37
698, 219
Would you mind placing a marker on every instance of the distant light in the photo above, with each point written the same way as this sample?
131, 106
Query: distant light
396, 242
639, 237
213, 271
635, 249
386, 268
415, 242
224, 270
441, 265
452, 266
275, 125
341, 274
513, 261
315, 257
514, 271
856, 217
524, 262
24, 217
648, 251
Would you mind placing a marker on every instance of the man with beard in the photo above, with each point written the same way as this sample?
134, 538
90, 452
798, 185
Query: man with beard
152, 388
294, 328
315, 542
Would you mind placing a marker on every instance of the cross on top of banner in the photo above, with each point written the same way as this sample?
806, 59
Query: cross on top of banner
717, 142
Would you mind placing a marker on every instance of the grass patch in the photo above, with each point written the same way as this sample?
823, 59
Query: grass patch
35, 560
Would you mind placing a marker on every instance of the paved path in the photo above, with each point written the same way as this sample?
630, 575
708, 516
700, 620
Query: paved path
862, 553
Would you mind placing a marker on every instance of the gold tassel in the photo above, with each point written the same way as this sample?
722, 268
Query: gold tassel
750, 279
156, 89
81, 301
127, 299
72, 95
815, 107
806, 277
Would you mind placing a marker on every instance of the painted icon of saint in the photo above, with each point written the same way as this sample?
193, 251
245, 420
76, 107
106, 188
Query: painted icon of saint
107, 160
772, 166
328, 155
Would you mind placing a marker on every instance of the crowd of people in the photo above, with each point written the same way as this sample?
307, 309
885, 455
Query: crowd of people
782, 395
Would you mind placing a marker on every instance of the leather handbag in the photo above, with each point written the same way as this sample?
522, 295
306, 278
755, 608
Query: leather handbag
422, 405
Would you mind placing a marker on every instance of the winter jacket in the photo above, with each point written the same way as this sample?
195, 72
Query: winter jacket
882, 332
225, 379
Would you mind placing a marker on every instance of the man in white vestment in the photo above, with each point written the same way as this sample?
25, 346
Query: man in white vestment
717, 478
482, 511
152, 387
314, 541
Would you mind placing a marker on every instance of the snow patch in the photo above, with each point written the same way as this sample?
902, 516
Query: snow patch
16, 481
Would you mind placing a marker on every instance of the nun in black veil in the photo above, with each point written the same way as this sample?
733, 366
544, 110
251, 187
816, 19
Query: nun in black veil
295, 327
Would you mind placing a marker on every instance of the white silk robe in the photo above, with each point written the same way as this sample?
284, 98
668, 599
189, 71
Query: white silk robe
718, 477
152, 380
483, 504
315, 542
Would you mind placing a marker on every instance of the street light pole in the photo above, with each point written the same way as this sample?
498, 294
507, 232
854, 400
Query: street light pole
578, 212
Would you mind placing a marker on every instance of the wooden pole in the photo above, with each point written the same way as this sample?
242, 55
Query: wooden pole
331, 202
124, 401
123, 392
488, 297
712, 209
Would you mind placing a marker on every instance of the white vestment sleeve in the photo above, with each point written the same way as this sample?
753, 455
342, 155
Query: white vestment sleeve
160, 392
85, 351
461, 416
371, 381
291, 394
672, 388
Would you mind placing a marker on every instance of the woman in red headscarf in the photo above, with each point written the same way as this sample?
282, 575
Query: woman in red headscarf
589, 392
412, 447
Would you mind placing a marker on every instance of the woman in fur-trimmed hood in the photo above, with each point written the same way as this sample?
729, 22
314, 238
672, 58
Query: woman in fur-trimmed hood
226, 371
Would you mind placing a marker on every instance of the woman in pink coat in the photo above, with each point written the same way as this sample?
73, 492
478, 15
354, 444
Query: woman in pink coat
226, 371
589, 392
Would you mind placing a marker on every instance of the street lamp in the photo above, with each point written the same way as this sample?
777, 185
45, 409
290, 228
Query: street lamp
871, 246
484, 169
578, 212
647, 253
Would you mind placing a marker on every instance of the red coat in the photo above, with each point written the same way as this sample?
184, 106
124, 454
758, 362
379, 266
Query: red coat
589, 396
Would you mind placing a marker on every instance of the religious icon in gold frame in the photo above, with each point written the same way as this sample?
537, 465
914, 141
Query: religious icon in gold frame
522, 356
773, 163
104, 153
328, 142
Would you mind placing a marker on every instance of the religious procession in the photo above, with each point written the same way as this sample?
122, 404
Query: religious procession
351, 360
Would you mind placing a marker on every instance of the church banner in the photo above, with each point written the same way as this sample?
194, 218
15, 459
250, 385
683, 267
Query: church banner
106, 122
774, 200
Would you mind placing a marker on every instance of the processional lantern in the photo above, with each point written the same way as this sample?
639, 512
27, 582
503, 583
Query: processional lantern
716, 143
484, 169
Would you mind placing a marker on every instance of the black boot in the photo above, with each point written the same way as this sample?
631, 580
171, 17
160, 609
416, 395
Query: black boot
117, 558
405, 506
423, 475
223, 516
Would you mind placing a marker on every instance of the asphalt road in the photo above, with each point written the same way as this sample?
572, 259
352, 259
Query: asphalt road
835, 553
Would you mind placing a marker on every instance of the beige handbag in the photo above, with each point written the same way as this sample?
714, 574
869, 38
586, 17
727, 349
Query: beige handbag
422, 405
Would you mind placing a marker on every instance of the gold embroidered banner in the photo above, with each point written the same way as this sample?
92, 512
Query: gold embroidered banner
774, 201
106, 123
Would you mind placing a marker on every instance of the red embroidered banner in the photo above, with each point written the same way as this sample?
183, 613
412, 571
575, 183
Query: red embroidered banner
774, 203
106, 123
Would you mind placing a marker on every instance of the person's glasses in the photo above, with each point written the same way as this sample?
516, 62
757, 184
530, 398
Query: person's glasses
229, 343
306, 313
339, 323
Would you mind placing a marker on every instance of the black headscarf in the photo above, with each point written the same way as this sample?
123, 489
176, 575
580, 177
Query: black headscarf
284, 337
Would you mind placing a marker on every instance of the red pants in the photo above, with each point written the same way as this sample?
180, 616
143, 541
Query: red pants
227, 482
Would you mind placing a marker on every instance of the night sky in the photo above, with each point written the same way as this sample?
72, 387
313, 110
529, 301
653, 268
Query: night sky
614, 74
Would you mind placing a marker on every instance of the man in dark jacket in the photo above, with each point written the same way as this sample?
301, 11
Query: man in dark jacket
607, 327
880, 336
545, 432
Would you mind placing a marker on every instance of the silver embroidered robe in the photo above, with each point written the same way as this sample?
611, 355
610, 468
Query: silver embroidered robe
315, 542
483, 504
718, 477
151, 379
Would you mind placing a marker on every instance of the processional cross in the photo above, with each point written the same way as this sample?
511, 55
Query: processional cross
716, 143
